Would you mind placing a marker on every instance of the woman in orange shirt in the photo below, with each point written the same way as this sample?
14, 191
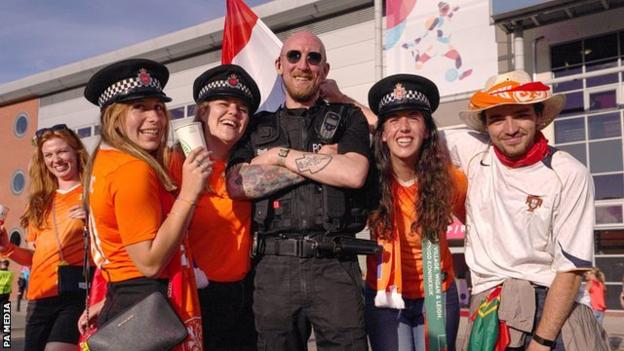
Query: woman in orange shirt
54, 220
596, 288
418, 191
220, 231
136, 225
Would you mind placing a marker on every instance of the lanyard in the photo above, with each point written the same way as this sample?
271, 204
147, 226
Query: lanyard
435, 309
56, 233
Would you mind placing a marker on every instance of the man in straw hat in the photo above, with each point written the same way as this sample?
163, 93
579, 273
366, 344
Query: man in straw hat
530, 217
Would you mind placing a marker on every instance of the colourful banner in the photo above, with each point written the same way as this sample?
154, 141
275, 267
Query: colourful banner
451, 43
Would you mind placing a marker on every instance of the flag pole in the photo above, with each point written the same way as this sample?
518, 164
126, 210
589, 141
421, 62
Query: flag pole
378, 40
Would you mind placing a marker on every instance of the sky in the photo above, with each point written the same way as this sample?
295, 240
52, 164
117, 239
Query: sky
38, 35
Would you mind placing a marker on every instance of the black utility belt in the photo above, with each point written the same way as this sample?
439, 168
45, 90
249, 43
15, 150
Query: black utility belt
326, 246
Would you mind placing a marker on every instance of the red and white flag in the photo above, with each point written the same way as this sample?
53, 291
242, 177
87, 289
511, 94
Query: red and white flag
249, 43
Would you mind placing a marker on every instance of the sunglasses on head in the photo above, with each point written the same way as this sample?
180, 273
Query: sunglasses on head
40, 132
313, 58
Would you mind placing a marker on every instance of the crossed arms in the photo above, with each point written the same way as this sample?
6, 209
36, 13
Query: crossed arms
279, 168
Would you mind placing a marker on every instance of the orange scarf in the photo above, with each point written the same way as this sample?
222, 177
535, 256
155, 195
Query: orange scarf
389, 274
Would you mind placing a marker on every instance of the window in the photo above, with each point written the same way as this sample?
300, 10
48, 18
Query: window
602, 48
590, 127
16, 236
18, 182
609, 186
569, 130
574, 103
566, 55
190, 110
577, 150
569, 85
84, 132
609, 214
602, 100
605, 156
177, 113
96, 129
605, 126
21, 125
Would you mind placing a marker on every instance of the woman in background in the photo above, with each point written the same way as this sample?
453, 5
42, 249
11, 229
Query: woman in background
597, 291
54, 219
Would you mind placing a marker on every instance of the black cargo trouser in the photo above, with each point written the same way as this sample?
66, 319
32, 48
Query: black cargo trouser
293, 294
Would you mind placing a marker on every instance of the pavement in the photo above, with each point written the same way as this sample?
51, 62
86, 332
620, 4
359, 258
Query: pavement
613, 324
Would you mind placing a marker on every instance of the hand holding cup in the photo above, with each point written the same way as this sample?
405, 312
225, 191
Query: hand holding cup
191, 136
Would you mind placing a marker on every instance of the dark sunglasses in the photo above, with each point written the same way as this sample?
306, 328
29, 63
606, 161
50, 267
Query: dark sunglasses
40, 132
313, 58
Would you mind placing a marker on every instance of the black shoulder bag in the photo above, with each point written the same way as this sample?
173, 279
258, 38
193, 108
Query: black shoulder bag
150, 324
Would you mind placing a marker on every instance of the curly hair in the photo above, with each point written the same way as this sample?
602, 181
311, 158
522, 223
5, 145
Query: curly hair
43, 184
114, 134
435, 187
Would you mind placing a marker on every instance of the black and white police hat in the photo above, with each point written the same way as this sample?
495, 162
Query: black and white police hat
402, 92
227, 81
127, 80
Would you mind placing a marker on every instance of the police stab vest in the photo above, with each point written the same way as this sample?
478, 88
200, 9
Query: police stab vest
308, 207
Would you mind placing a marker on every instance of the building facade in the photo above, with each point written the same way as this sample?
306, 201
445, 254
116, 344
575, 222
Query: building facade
576, 46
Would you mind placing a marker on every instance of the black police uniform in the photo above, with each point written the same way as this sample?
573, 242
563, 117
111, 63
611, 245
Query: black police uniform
296, 284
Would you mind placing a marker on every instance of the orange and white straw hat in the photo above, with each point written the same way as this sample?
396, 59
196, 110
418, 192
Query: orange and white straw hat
512, 88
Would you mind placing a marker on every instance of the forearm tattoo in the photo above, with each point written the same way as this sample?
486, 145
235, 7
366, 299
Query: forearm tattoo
312, 163
257, 181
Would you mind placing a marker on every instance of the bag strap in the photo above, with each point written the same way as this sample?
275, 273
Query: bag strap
86, 267
56, 233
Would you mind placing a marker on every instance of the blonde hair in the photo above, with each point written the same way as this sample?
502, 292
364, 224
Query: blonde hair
43, 184
598, 274
114, 134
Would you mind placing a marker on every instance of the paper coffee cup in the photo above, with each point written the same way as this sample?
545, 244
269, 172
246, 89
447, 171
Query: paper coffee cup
3, 213
191, 136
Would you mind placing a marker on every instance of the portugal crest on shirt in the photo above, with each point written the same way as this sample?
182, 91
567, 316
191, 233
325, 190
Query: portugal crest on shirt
533, 202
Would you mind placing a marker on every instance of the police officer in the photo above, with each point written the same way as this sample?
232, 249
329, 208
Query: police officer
304, 164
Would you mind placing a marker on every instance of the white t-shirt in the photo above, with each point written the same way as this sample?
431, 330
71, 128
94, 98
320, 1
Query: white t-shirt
528, 222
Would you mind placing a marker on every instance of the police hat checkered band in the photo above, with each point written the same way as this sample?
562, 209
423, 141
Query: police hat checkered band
123, 87
224, 84
409, 96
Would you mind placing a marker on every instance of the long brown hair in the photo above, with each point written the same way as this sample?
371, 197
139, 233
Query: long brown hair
435, 187
114, 134
43, 184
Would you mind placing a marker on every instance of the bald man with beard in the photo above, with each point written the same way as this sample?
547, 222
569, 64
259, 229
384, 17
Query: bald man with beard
303, 166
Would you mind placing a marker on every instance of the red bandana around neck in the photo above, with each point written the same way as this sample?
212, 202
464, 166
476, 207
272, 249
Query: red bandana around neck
538, 151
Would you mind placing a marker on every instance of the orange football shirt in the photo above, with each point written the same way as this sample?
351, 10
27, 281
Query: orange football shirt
220, 231
411, 243
46, 258
126, 208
